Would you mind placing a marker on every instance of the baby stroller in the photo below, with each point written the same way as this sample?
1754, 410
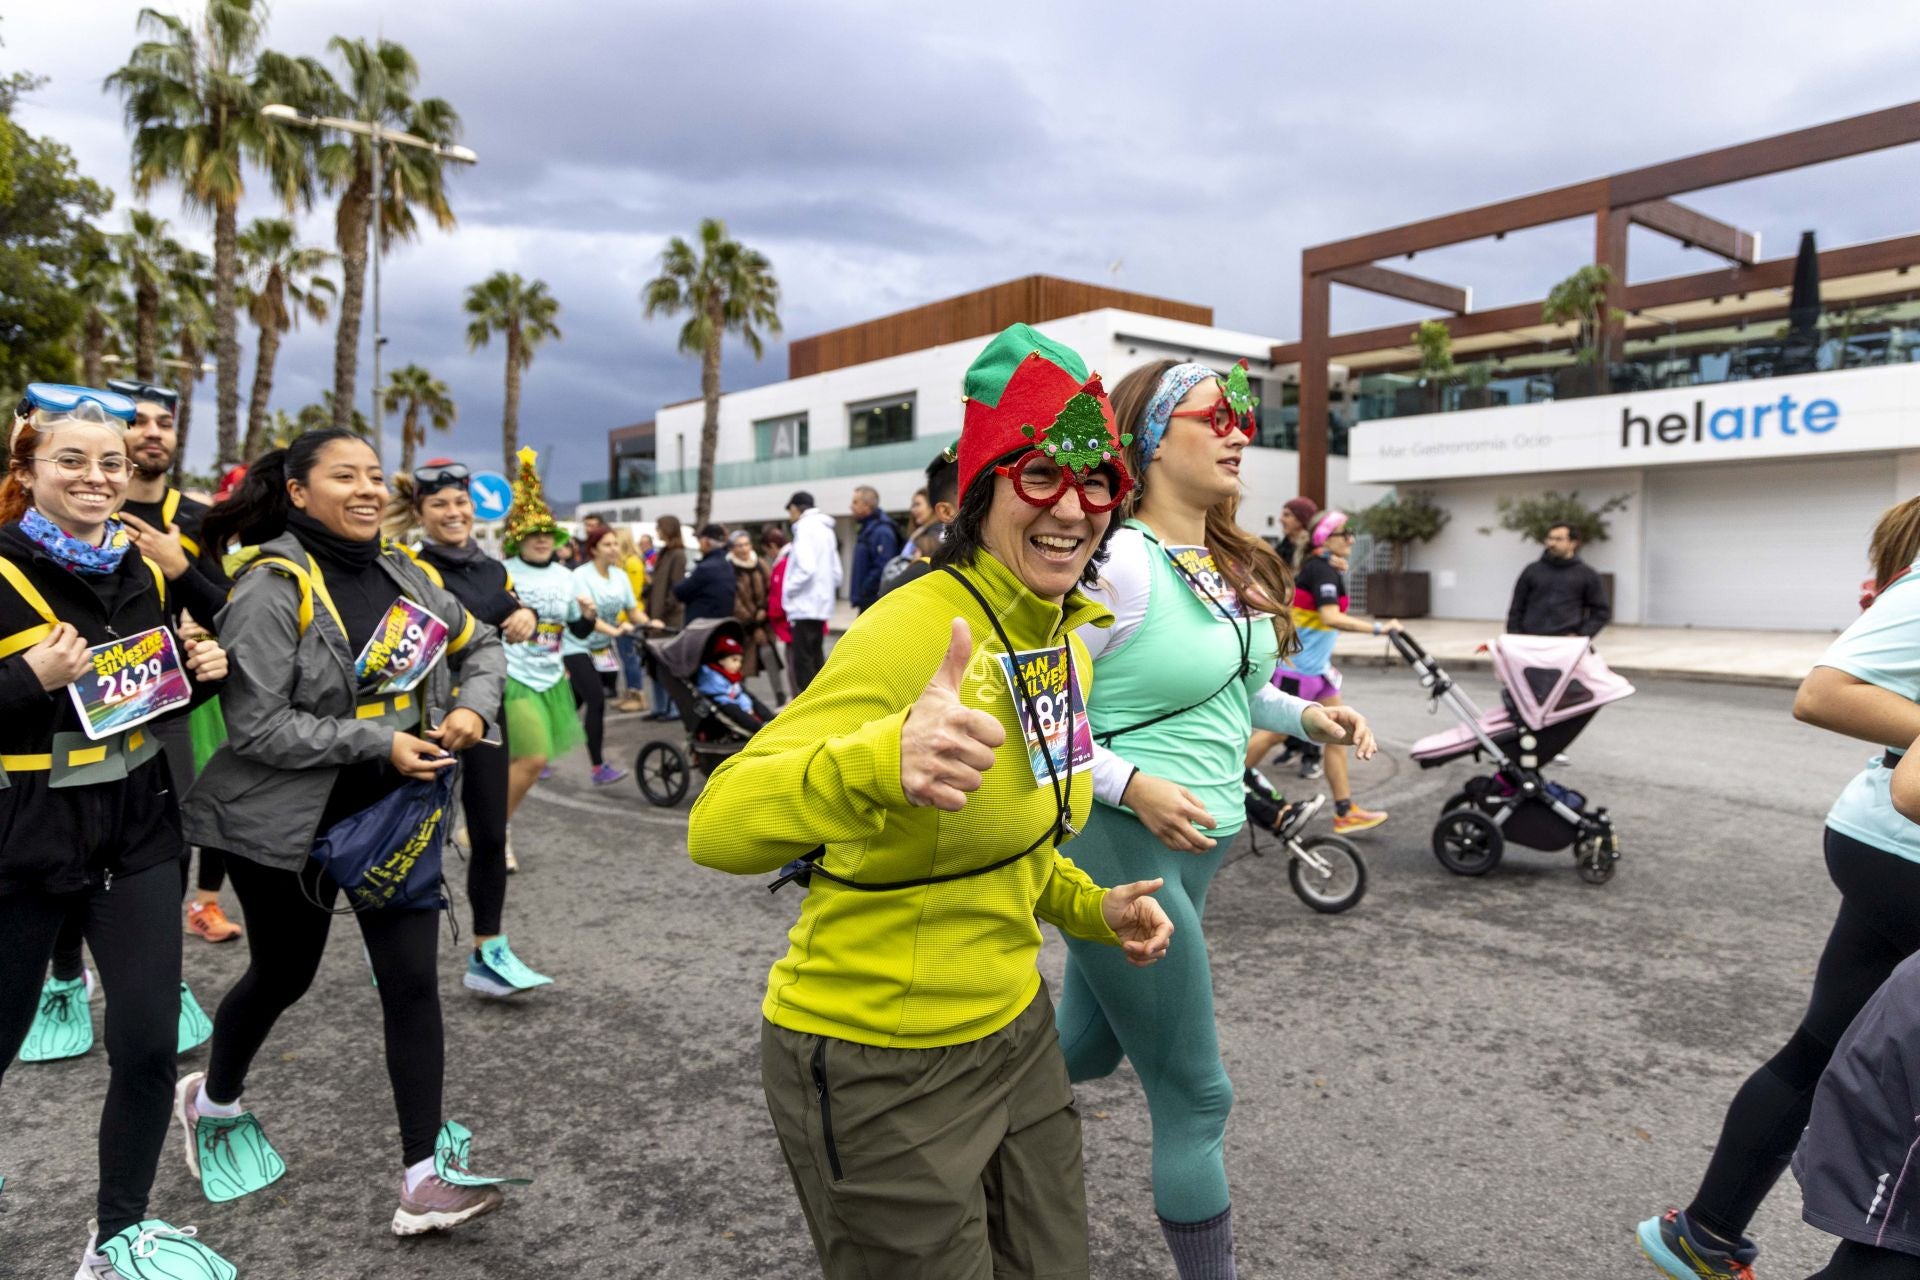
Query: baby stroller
662, 768
1550, 687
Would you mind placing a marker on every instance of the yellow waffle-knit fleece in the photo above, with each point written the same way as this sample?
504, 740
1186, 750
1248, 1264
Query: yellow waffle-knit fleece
939, 964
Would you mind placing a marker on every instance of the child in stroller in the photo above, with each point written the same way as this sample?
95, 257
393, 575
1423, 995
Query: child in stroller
699, 667
720, 679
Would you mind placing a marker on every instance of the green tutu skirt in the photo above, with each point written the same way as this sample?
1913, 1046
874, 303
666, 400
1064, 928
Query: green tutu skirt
542, 724
207, 728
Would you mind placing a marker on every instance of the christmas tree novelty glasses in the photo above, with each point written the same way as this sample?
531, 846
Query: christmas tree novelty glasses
1042, 481
1234, 409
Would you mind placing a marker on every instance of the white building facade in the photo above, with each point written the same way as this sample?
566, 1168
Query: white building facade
1748, 504
881, 423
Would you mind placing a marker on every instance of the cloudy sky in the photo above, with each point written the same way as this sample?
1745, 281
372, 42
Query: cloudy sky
887, 155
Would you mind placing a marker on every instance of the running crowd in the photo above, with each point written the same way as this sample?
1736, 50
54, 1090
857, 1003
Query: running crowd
1076, 649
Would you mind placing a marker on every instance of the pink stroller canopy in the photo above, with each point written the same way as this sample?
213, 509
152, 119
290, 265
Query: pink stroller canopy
1554, 678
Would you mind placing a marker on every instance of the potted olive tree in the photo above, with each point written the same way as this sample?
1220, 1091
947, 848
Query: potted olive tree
1477, 393
1581, 299
1400, 520
1533, 517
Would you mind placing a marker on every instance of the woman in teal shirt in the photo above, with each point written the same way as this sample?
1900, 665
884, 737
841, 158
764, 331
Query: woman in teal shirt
1182, 679
593, 665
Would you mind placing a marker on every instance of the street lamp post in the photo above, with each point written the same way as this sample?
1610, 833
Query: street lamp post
382, 136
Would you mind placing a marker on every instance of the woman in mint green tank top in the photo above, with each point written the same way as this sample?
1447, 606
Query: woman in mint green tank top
1182, 679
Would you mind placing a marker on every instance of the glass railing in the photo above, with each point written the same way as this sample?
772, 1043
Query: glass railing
822, 464
1851, 338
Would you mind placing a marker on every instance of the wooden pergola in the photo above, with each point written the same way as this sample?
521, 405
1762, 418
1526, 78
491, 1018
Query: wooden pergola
1643, 197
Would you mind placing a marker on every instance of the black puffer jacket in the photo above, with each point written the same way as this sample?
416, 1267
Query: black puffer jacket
75, 825
1557, 597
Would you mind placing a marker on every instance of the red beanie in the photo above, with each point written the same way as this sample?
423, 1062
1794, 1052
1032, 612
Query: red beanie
727, 646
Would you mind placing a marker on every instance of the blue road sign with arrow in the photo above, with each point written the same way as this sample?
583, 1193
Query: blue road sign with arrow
492, 495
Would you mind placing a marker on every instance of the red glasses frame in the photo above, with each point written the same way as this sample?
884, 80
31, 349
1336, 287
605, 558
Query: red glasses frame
1221, 417
1016, 472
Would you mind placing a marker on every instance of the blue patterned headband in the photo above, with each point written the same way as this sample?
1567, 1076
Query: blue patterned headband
1173, 388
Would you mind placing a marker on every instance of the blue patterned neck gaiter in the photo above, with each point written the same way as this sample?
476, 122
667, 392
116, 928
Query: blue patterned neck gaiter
71, 552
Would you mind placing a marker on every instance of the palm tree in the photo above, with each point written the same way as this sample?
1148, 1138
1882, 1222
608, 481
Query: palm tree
282, 427
283, 282
322, 416
412, 391
146, 257
100, 283
187, 318
726, 287
523, 312
192, 98
378, 87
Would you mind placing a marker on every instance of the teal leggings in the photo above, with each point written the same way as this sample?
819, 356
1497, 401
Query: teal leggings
1160, 1017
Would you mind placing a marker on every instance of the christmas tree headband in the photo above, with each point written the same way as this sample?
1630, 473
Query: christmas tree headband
1026, 391
529, 516
1175, 383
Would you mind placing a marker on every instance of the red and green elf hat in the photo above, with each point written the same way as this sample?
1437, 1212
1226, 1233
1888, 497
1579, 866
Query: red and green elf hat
1026, 391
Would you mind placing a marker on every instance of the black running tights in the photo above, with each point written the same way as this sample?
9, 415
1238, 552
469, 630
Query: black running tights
590, 690
1878, 927
483, 799
286, 934
1856, 1261
134, 930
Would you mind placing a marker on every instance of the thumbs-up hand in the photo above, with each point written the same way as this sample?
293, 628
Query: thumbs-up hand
945, 745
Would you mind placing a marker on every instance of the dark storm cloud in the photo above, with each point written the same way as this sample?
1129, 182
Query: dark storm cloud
887, 155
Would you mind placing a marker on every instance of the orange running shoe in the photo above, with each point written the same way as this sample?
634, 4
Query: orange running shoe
1357, 819
210, 922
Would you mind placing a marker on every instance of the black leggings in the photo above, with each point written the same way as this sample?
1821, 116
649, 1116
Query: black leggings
1878, 927
1856, 1261
590, 690
286, 934
134, 930
483, 799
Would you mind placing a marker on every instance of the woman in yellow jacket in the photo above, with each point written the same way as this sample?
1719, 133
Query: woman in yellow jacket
930, 773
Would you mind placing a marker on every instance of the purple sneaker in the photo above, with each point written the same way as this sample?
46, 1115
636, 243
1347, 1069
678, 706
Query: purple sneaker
437, 1206
606, 773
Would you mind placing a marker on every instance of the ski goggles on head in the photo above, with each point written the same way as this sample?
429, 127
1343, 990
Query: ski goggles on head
166, 397
50, 405
1041, 481
440, 475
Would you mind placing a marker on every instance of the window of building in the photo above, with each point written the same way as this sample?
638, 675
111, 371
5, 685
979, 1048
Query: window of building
880, 422
784, 437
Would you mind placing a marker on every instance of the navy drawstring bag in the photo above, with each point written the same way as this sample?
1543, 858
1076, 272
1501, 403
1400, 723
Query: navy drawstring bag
388, 854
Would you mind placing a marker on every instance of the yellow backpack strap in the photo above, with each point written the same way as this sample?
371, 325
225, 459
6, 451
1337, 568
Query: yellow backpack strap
10, 645
425, 565
169, 507
287, 568
159, 582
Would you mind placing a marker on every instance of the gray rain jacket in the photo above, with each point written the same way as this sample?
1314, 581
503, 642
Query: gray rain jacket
293, 715
1859, 1157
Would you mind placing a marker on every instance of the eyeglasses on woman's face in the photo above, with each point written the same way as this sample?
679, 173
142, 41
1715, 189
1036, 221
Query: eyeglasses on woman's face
1042, 482
71, 464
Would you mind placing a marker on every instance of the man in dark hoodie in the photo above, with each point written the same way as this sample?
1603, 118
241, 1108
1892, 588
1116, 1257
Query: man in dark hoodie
1559, 594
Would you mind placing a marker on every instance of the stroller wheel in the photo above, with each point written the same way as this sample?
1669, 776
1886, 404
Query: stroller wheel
1467, 843
1596, 861
661, 771
1337, 881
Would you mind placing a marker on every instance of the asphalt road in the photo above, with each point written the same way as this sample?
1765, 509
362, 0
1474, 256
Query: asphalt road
1460, 1078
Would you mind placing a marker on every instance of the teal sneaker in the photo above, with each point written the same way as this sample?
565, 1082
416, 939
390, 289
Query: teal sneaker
63, 1028
1682, 1252
495, 971
153, 1250
196, 1028
230, 1155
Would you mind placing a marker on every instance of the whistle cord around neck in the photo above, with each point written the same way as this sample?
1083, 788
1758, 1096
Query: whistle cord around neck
810, 865
1244, 634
